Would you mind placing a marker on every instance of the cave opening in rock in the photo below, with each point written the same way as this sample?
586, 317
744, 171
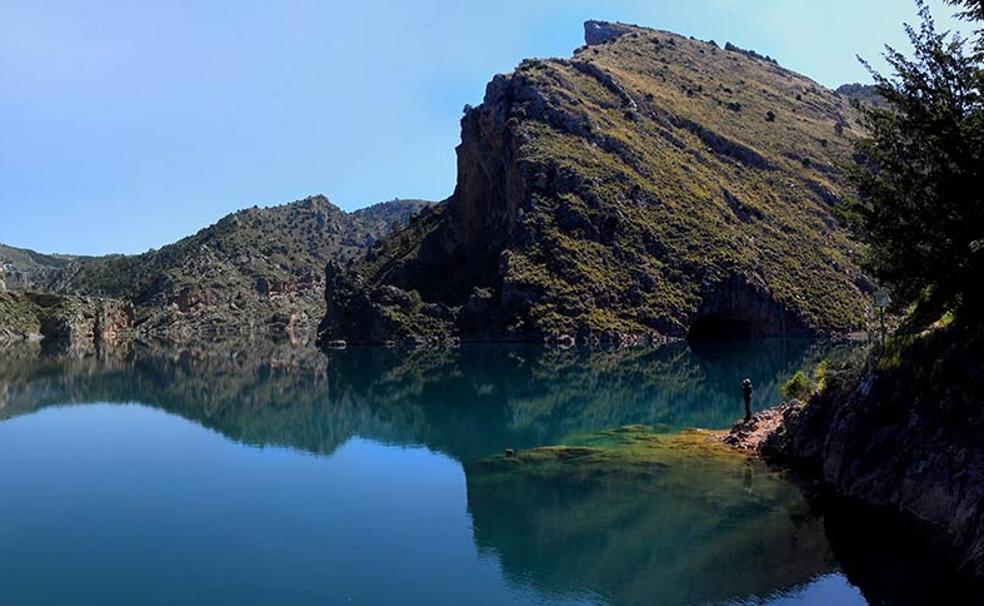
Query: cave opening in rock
717, 326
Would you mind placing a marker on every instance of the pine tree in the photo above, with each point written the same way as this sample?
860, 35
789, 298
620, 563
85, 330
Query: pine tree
920, 170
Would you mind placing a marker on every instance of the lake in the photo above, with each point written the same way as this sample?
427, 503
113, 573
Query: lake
260, 474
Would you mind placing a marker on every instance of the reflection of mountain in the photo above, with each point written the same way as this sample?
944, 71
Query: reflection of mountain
694, 532
689, 530
468, 402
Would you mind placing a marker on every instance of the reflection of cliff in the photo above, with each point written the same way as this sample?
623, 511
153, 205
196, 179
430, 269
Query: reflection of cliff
482, 399
690, 530
468, 402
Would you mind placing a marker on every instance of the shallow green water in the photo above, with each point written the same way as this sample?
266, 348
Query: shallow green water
276, 476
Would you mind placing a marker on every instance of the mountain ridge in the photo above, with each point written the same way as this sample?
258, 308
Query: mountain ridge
254, 270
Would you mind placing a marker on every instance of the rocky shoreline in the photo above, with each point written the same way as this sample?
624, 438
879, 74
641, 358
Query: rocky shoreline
901, 435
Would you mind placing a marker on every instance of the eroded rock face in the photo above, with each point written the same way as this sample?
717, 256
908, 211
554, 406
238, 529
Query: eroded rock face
908, 465
84, 321
740, 306
65, 322
360, 314
490, 185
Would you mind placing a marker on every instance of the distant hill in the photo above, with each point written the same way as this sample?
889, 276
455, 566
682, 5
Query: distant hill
28, 269
650, 186
256, 270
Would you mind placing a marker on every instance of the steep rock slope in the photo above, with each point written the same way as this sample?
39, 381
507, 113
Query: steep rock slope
650, 186
258, 270
65, 322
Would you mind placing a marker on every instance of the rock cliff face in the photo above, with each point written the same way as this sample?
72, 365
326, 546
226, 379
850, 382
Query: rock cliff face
903, 435
254, 272
29, 270
65, 322
650, 186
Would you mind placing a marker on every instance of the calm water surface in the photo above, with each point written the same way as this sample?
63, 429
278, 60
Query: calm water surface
274, 476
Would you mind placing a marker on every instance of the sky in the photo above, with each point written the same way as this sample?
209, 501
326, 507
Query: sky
125, 125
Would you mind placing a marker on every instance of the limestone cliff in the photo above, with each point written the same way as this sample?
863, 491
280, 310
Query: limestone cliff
64, 322
652, 186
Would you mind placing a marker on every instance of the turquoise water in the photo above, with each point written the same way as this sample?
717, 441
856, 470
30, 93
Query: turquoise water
277, 476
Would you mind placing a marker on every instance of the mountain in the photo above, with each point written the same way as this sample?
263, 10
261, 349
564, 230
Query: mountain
651, 186
254, 271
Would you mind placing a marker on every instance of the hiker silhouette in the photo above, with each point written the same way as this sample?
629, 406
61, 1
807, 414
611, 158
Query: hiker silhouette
746, 390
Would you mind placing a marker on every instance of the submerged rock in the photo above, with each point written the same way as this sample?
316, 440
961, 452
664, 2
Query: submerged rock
636, 515
631, 449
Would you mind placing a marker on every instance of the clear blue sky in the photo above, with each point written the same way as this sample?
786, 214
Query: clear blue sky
127, 125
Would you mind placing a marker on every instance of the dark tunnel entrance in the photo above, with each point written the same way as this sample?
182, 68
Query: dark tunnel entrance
717, 326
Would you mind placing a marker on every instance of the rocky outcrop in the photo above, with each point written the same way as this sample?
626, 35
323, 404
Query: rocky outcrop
381, 314
752, 435
599, 32
81, 322
618, 196
65, 322
903, 435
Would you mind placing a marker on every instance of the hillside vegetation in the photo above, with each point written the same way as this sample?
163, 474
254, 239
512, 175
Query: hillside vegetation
258, 270
651, 186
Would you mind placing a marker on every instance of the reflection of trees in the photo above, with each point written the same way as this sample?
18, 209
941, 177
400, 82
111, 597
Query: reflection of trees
467, 402
690, 530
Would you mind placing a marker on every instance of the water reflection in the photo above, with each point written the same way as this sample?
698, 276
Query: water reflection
468, 402
688, 530
683, 530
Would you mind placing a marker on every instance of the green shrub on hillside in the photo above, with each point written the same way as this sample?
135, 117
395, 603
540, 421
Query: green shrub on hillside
798, 387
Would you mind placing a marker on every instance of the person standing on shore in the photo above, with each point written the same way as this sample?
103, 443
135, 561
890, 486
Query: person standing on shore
746, 391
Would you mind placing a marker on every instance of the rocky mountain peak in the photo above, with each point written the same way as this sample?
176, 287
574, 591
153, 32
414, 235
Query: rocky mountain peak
651, 186
599, 32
